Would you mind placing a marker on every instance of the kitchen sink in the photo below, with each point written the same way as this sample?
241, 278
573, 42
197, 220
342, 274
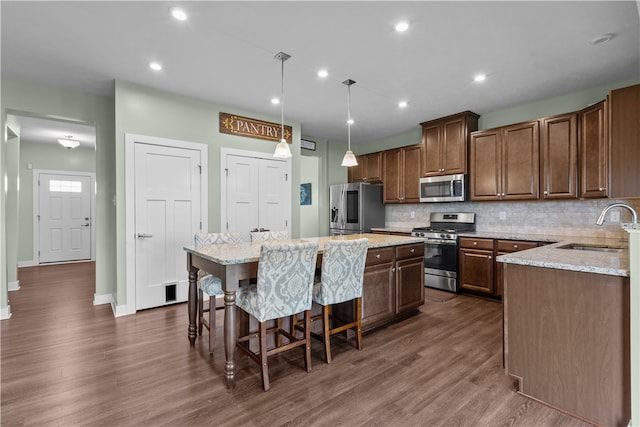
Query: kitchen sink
596, 248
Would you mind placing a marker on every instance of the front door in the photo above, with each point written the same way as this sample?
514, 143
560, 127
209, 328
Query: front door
64, 217
167, 215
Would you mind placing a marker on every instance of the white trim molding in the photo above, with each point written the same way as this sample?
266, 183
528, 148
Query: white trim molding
102, 299
30, 263
130, 140
5, 313
13, 286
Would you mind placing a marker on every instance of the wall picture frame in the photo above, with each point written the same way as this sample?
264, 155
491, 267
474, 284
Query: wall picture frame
305, 194
308, 145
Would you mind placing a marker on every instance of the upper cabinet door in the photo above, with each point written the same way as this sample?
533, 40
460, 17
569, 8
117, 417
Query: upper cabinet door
445, 142
624, 119
594, 156
521, 161
559, 157
486, 169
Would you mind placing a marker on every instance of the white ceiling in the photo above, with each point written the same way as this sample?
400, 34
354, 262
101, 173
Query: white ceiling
225, 51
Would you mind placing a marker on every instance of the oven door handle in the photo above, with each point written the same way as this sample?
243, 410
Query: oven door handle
440, 242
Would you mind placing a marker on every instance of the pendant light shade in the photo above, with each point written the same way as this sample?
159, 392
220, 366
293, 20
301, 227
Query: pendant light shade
68, 143
349, 158
282, 149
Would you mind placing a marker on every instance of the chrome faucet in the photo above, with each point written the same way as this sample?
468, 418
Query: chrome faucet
634, 214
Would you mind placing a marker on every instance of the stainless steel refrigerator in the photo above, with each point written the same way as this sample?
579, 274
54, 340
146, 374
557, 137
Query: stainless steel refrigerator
355, 208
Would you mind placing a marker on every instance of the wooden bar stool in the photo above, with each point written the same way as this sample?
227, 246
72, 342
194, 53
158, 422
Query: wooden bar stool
283, 288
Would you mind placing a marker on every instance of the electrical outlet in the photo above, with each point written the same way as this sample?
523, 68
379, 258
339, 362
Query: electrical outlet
503, 215
614, 216
413, 214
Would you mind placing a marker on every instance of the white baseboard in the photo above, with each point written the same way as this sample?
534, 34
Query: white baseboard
13, 286
31, 263
118, 310
5, 313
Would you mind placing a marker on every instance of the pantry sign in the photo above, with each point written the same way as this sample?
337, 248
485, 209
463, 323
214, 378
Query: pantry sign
252, 128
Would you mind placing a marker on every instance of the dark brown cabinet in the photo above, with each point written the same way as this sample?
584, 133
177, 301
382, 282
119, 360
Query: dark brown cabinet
505, 163
559, 156
480, 273
369, 168
476, 265
444, 144
401, 175
624, 129
393, 285
594, 156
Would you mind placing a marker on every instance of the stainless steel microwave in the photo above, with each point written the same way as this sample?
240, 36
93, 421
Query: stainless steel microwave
445, 188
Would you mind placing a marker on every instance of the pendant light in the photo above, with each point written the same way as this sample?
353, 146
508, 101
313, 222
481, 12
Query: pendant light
349, 159
282, 149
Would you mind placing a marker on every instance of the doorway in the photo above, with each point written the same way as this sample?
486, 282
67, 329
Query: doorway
256, 192
166, 194
64, 211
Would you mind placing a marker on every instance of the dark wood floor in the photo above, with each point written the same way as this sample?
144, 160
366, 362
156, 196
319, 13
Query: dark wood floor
66, 362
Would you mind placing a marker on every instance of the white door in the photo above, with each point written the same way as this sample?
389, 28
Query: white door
65, 217
167, 215
258, 194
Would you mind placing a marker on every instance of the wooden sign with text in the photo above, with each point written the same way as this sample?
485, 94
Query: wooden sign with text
244, 126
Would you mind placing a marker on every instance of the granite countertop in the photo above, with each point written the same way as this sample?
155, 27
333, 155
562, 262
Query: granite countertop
552, 256
227, 254
393, 229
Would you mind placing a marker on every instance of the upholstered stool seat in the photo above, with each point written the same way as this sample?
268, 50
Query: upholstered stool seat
341, 280
211, 285
284, 286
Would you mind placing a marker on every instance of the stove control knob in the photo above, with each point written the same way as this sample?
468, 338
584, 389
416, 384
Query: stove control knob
444, 236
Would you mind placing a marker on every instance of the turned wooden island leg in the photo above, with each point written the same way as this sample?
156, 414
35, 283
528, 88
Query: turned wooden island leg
192, 300
230, 337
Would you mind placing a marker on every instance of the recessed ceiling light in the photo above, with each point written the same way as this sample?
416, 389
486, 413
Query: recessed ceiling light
155, 66
402, 104
323, 73
603, 38
350, 121
275, 101
479, 77
402, 26
178, 13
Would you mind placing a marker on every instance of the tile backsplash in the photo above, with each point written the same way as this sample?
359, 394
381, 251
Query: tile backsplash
569, 218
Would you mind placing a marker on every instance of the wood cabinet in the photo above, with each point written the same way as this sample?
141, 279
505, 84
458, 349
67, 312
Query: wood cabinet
369, 168
402, 175
476, 265
559, 156
594, 156
444, 144
624, 128
479, 272
393, 285
505, 163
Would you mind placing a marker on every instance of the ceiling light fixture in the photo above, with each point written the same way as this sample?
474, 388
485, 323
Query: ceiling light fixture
323, 73
402, 104
603, 38
275, 101
402, 26
282, 149
479, 77
178, 13
68, 143
155, 66
349, 159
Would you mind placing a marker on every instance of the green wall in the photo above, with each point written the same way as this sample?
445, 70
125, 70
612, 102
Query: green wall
21, 97
45, 157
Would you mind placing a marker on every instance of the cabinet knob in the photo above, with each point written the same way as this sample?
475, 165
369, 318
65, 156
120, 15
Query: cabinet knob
378, 256
393, 270
413, 250
515, 246
489, 257
545, 192
475, 243
602, 189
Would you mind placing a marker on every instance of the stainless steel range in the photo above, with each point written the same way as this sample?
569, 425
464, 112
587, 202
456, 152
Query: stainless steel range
441, 247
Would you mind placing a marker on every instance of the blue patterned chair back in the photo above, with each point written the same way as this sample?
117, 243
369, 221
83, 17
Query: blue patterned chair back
203, 239
269, 236
342, 271
285, 281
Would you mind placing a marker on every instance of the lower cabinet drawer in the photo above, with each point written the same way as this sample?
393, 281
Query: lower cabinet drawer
381, 255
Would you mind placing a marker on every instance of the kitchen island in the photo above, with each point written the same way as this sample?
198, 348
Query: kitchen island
393, 282
566, 326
